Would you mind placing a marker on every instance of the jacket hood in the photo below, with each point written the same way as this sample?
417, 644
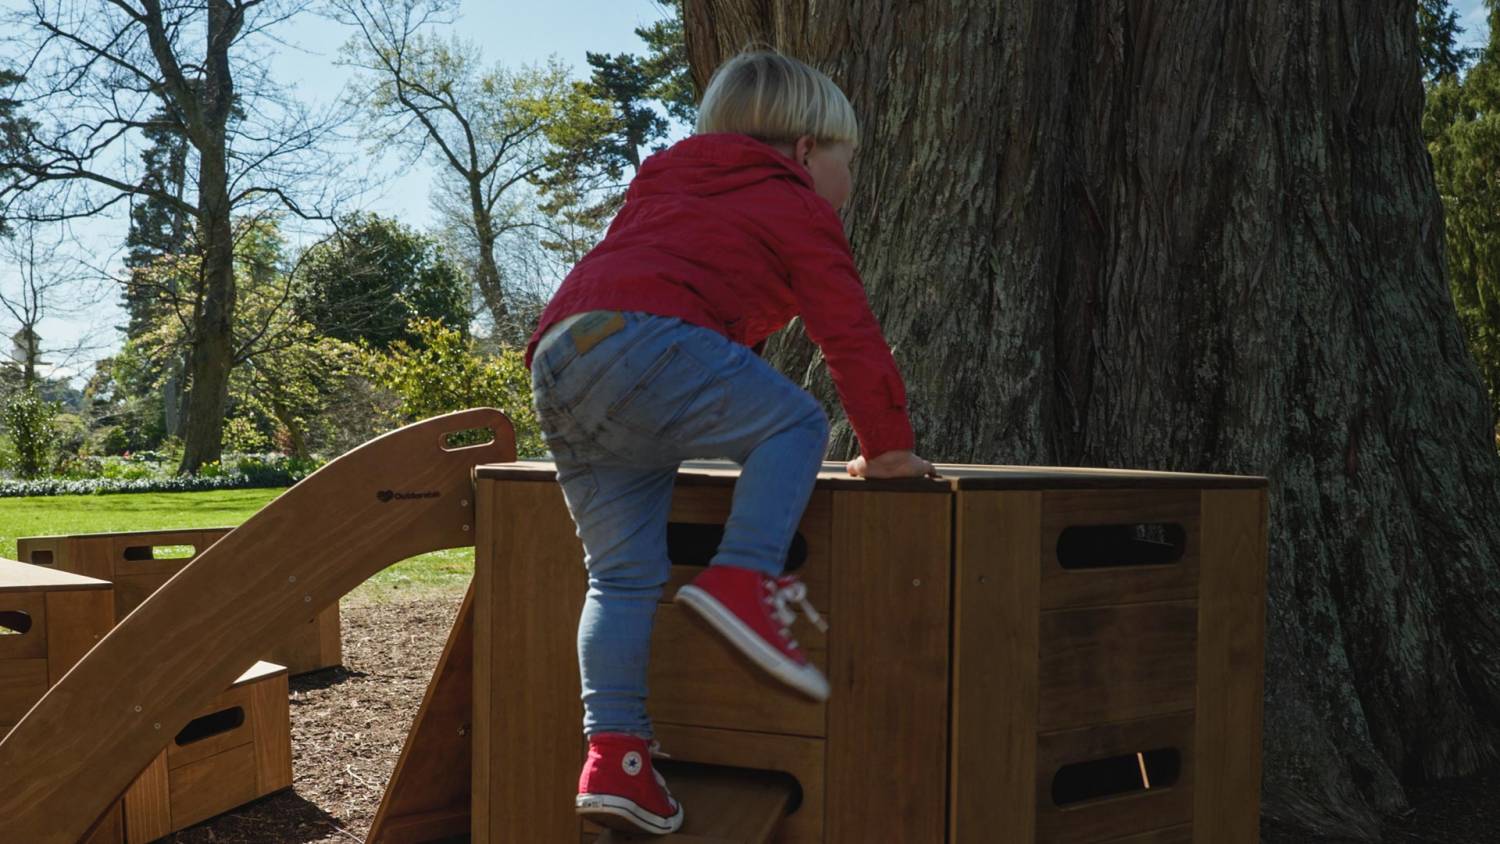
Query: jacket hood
706, 165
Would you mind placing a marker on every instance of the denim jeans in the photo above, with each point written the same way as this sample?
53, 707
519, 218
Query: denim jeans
618, 419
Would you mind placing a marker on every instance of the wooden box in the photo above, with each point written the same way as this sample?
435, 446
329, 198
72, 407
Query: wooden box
139, 563
1048, 655
48, 620
237, 750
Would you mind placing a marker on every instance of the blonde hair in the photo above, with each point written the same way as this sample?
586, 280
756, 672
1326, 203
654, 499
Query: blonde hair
772, 97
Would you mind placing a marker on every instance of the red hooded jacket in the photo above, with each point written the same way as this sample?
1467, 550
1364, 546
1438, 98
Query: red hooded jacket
725, 232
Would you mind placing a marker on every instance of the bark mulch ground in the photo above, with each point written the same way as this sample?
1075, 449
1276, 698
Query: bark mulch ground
348, 726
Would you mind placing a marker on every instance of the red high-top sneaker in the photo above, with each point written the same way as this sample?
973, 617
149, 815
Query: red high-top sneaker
750, 609
619, 788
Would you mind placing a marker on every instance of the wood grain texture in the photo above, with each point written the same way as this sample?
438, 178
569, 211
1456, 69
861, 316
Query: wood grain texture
1106, 818
233, 700
698, 678
529, 590
270, 715
888, 667
802, 758
709, 505
78, 620
1115, 663
1231, 658
995, 647
109, 829
22, 684
148, 803
212, 786
91, 733
1118, 585
429, 790
33, 643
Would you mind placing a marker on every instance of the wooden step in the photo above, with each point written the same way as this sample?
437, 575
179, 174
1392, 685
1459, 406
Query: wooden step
723, 805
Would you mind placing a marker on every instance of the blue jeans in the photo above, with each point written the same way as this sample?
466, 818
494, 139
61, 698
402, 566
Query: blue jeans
619, 418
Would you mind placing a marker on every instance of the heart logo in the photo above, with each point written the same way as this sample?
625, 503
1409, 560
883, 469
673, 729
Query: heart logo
385, 495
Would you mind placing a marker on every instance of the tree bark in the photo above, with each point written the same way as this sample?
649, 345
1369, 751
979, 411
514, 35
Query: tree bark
1194, 235
213, 321
487, 274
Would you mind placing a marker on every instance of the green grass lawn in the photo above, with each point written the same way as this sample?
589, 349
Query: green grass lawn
442, 571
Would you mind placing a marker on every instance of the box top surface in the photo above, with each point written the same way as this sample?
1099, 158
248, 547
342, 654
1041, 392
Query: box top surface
954, 477
25, 577
142, 534
259, 671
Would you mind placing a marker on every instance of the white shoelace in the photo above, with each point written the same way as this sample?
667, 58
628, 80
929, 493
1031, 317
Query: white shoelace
790, 590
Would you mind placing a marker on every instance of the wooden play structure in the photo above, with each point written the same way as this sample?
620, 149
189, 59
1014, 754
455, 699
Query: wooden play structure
1017, 655
236, 749
136, 564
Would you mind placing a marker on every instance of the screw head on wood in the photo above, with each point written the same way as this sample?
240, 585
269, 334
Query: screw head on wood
916, 581
307, 599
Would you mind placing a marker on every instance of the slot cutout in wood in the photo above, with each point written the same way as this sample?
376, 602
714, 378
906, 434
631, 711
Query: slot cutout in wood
42, 558
467, 438
211, 725
14, 623
142, 553
695, 545
1116, 776
1120, 546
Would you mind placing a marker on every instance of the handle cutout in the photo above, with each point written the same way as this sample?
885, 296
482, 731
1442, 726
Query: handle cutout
467, 438
1116, 776
41, 557
211, 725
142, 553
695, 545
14, 623
1121, 546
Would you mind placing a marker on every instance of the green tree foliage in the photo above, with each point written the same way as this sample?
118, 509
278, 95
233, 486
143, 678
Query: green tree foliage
445, 373
1437, 26
14, 128
30, 423
373, 277
1462, 126
157, 227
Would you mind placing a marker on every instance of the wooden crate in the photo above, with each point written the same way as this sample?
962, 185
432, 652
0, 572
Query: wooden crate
238, 749
1006, 647
48, 620
138, 563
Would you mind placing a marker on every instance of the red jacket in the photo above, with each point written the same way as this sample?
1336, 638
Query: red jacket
724, 232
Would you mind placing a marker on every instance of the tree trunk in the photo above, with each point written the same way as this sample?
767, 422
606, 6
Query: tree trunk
487, 275
213, 318
1194, 235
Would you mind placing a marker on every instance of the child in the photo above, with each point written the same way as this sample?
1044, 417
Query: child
643, 359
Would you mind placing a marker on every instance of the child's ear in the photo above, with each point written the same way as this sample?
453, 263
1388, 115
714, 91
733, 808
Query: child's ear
803, 149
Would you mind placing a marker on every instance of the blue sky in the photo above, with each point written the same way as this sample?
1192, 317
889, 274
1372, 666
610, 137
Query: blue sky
514, 33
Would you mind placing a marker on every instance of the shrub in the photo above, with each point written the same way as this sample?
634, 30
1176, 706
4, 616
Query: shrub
29, 422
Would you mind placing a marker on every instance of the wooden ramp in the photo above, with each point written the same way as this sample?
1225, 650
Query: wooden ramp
723, 805
397, 496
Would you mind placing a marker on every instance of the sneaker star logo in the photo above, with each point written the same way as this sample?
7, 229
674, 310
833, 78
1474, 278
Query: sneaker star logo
631, 763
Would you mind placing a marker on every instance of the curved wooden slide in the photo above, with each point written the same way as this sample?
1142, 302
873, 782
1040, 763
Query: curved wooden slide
397, 496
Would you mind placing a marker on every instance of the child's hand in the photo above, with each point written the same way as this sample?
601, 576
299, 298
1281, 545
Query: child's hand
892, 464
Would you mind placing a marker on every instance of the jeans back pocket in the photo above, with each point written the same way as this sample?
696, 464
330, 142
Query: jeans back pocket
675, 388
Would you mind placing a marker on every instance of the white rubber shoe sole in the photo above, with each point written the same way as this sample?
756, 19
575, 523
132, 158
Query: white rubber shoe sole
806, 679
624, 815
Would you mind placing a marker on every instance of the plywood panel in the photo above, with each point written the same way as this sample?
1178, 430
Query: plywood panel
235, 700
310, 645
429, 792
16, 576
888, 667
270, 714
109, 829
995, 665
1114, 663
722, 805
802, 758
33, 643
1107, 818
78, 620
132, 590
1231, 656
148, 803
696, 677
22, 684
1062, 509
212, 786
529, 591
